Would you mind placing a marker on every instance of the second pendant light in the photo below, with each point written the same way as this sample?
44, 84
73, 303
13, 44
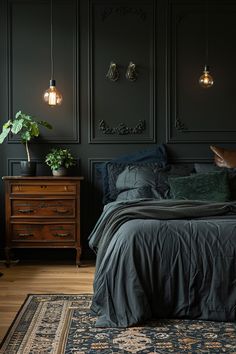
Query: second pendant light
206, 79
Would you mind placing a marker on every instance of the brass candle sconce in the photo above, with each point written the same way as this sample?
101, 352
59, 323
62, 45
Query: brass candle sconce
113, 72
131, 72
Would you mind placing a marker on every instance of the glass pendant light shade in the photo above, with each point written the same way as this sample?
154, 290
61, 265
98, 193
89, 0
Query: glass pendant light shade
52, 96
206, 79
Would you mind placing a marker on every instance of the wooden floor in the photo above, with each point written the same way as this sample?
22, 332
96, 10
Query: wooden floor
21, 279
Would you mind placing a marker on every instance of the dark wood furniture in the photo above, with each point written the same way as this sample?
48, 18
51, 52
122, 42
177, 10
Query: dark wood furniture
42, 212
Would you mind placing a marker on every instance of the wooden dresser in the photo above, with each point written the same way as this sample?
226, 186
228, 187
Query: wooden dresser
42, 212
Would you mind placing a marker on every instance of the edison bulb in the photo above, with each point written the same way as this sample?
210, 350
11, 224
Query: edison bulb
52, 96
206, 79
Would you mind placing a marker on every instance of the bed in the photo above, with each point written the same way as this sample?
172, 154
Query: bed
161, 251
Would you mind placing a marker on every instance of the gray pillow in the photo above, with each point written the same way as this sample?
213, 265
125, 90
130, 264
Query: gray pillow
115, 169
206, 167
110, 170
137, 181
211, 186
136, 193
136, 176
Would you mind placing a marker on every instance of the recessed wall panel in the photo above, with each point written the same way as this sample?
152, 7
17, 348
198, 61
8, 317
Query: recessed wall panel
29, 63
122, 110
197, 114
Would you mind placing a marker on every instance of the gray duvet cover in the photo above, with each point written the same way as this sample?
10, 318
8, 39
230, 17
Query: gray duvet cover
162, 259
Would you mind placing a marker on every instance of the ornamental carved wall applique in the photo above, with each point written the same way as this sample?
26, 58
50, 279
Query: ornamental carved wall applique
122, 128
123, 11
180, 126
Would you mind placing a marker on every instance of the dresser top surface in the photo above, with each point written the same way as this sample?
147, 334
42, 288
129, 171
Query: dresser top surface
40, 178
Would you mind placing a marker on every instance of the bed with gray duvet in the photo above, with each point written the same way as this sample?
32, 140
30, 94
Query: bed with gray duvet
164, 259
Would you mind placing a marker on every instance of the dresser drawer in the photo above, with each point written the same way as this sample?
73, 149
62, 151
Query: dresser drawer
43, 232
43, 208
43, 188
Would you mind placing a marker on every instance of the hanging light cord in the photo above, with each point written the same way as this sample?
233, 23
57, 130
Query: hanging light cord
51, 20
207, 30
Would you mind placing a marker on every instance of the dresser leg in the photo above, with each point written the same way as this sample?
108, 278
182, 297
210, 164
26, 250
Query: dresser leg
8, 257
78, 254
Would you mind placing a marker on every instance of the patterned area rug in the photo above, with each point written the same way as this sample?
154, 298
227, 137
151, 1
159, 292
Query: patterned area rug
58, 324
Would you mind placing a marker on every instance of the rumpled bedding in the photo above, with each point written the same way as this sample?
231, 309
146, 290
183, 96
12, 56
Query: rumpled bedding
164, 259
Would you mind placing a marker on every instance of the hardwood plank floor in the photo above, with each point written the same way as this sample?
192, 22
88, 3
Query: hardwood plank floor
19, 280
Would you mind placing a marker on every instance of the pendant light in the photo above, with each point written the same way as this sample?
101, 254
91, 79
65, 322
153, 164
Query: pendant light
206, 80
52, 96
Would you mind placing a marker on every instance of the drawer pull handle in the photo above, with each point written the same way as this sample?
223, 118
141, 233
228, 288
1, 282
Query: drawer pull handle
62, 235
25, 235
61, 211
25, 211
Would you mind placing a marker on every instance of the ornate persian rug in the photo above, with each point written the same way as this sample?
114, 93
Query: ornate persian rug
58, 324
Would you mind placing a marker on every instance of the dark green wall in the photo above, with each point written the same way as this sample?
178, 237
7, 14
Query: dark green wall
166, 41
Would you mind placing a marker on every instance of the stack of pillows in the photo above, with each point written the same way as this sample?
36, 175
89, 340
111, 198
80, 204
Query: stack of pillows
147, 174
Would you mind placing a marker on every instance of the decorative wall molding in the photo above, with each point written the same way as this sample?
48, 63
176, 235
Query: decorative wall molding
13, 167
92, 168
122, 128
123, 11
73, 116
183, 128
95, 187
99, 110
180, 125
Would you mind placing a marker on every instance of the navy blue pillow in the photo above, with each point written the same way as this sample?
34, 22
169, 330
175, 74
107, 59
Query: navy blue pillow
157, 154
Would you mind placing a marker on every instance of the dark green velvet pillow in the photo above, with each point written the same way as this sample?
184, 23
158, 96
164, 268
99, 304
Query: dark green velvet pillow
212, 186
231, 172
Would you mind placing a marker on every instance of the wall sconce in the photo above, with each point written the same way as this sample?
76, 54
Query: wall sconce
113, 72
131, 72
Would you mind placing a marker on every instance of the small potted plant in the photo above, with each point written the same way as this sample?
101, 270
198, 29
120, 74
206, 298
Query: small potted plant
59, 160
27, 127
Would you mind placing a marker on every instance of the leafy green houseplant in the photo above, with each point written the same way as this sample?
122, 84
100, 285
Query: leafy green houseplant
59, 160
26, 126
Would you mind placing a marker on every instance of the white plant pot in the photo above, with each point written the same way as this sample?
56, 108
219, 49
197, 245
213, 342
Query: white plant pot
60, 172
